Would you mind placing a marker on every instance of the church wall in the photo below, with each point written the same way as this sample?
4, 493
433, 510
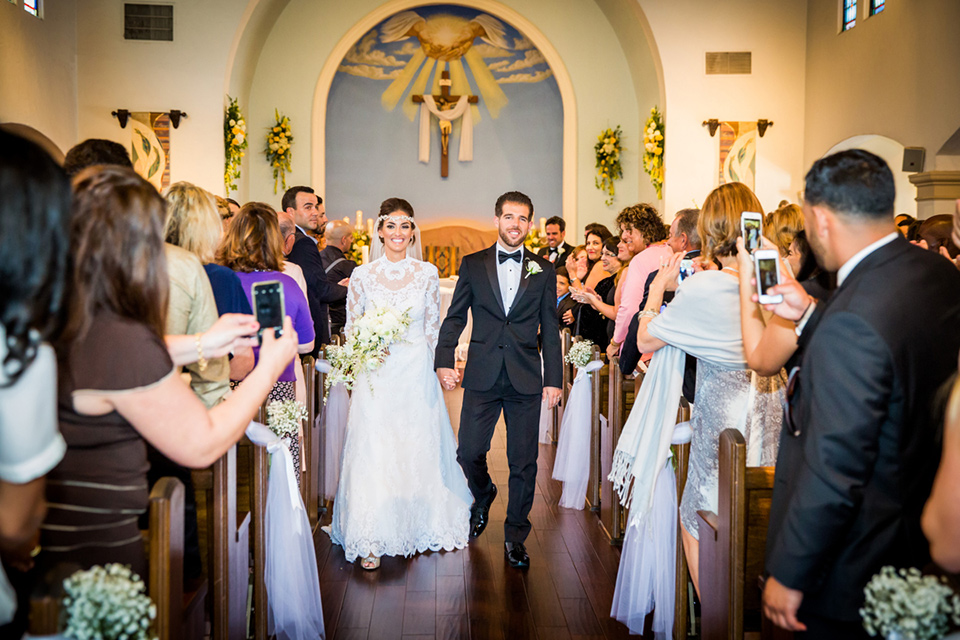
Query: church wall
893, 75
774, 32
187, 74
38, 77
286, 79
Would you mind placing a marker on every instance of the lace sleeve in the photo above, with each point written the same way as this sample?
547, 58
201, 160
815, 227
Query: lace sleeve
431, 316
355, 300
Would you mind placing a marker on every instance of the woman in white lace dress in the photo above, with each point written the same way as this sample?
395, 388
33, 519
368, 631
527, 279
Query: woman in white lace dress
401, 490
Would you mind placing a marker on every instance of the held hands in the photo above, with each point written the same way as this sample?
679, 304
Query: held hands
231, 332
448, 378
780, 604
551, 395
276, 353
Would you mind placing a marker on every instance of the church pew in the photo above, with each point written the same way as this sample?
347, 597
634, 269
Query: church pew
732, 544
566, 341
620, 396
593, 485
311, 450
230, 552
258, 509
681, 454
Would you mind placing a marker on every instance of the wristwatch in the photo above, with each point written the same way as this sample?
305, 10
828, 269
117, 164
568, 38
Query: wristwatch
802, 322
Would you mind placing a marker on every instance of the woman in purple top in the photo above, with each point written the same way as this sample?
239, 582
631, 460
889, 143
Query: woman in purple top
253, 247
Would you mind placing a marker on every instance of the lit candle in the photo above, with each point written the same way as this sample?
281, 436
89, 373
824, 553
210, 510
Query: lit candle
346, 219
543, 226
359, 219
370, 227
364, 254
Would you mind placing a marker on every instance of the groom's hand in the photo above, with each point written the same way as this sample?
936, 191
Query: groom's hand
448, 378
551, 395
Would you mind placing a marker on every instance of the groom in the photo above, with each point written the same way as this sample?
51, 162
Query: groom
513, 295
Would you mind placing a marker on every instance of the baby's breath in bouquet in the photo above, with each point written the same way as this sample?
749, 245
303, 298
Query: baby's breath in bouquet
284, 418
906, 605
367, 344
108, 603
580, 354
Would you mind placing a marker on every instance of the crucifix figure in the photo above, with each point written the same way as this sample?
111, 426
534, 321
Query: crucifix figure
445, 103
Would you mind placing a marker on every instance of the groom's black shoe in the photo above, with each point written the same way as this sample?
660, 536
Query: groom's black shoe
481, 515
516, 555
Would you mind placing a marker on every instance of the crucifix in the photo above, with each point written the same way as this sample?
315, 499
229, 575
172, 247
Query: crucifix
444, 102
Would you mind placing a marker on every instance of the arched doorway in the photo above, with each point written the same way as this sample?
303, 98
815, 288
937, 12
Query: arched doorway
891, 151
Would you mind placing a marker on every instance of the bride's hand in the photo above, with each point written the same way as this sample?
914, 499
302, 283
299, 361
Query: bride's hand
448, 378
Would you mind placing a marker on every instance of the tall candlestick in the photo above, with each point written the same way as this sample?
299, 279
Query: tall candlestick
346, 219
543, 226
359, 220
364, 254
370, 227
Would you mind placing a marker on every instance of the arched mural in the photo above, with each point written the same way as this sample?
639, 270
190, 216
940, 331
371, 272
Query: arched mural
380, 142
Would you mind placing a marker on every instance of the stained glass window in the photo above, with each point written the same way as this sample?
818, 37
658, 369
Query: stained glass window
32, 7
876, 6
849, 14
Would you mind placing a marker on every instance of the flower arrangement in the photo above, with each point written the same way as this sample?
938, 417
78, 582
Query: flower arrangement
367, 345
535, 239
608, 151
108, 603
905, 604
284, 418
580, 354
360, 239
277, 149
653, 150
234, 143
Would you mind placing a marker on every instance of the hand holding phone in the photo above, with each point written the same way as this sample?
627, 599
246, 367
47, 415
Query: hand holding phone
751, 228
767, 263
268, 306
687, 269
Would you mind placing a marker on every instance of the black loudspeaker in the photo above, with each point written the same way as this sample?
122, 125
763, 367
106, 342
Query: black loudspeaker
913, 158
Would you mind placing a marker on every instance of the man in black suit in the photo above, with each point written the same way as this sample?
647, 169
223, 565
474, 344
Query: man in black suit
860, 446
307, 211
513, 296
557, 249
337, 266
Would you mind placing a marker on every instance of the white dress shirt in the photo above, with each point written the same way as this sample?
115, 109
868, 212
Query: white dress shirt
858, 257
304, 232
508, 273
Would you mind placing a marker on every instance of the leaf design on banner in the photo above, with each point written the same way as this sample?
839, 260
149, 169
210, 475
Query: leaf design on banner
153, 167
133, 153
145, 143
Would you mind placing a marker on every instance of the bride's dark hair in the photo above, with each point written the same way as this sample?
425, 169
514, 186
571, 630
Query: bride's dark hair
393, 205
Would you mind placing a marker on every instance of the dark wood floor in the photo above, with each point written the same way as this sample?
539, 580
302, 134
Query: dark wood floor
473, 593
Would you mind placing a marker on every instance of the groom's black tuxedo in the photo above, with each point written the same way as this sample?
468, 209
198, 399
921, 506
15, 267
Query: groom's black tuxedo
503, 373
854, 474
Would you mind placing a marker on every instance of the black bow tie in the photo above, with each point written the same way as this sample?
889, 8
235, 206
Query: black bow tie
503, 257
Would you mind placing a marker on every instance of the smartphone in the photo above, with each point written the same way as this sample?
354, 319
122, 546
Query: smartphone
686, 269
767, 263
268, 306
751, 227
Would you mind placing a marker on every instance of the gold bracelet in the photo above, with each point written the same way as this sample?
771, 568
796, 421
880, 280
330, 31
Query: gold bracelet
201, 361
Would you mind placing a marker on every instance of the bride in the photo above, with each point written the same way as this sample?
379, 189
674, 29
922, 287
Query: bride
401, 490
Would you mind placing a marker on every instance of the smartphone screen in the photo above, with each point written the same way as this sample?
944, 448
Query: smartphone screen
268, 306
752, 228
767, 276
686, 269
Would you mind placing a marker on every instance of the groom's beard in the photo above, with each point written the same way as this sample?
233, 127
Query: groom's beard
506, 239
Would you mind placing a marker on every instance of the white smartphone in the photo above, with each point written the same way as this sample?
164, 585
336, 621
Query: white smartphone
686, 269
751, 228
767, 263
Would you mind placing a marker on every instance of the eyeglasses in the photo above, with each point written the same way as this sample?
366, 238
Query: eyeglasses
793, 382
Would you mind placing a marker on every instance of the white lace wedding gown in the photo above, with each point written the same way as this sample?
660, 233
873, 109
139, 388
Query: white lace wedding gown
401, 490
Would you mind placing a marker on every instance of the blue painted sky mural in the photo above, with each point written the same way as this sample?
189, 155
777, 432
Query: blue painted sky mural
373, 127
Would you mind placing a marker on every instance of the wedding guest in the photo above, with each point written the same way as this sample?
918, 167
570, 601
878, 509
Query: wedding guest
594, 246
566, 305
860, 454
227, 208
903, 222
934, 235
643, 231
604, 298
95, 151
308, 212
941, 515
703, 320
288, 229
337, 266
557, 248
34, 210
781, 227
577, 265
591, 324
118, 384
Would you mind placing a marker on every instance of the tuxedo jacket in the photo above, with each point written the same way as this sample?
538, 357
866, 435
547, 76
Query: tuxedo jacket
336, 273
562, 251
319, 292
851, 484
500, 339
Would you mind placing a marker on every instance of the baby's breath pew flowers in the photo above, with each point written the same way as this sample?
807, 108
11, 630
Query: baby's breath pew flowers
108, 603
906, 605
284, 418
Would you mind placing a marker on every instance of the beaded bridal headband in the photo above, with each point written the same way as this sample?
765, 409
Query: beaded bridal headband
395, 217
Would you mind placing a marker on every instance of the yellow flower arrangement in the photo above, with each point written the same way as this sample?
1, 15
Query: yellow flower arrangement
360, 239
653, 145
535, 240
608, 150
234, 143
277, 149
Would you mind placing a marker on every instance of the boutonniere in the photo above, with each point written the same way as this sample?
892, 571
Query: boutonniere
532, 269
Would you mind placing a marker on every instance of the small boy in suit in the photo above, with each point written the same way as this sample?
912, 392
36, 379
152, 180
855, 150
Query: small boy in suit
567, 308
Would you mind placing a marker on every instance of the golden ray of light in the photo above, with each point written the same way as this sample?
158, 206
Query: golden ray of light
461, 86
410, 108
493, 95
395, 91
435, 87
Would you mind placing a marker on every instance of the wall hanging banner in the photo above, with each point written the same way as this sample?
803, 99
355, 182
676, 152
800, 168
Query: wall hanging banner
738, 152
150, 146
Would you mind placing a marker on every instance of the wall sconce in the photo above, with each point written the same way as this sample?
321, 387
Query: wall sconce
713, 125
176, 114
763, 125
122, 115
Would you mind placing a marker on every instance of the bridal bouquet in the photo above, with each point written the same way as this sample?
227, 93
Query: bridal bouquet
367, 345
108, 602
907, 605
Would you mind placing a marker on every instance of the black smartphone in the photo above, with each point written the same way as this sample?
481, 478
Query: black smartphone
268, 306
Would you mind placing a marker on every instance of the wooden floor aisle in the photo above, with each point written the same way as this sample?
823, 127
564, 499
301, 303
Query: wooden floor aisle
473, 593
